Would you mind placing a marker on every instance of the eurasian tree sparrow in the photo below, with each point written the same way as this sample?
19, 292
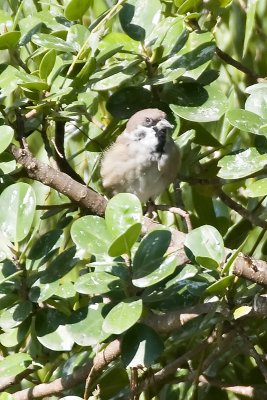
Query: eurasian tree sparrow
144, 159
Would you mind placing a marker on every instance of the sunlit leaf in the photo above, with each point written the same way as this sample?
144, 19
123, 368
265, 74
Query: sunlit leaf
9, 40
6, 136
138, 17
206, 245
247, 121
195, 103
241, 164
123, 316
17, 208
76, 8
13, 364
257, 188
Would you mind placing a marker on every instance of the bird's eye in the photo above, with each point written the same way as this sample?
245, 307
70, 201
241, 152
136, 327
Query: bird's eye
148, 120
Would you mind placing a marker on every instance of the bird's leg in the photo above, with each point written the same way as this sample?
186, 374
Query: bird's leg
150, 209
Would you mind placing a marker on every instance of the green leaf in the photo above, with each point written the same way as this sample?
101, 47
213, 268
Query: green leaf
193, 52
75, 9
77, 37
95, 283
44, 244
194, 103
123, 219
141, 345
52, 42
139, 17
90, 234
247, 121
85, 325
37, 85
257, 101
241, 164
242, 311
188, 271
114, 42
14, 364
7, 163
123, 211
52, 331
14, 316
124, 243
250, 22
117, 79
47, 63
149, 264
257, 188
123, 316
17, 208
220, 286
12, 337
169, 35
49, 281
9, 40
6, 136
127, 101
206, 245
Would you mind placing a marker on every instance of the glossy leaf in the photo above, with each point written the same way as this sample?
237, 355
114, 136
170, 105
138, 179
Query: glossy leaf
95, 283
52, 332
123, 211
257, 188
17, 208
212, 103
47, 63
75, 9
85, 325
138, 17
123, 316
247, 121
6, 136
44, 244
220, 286
149, 257
124, 243
13, 364
257, 101
192, 52
241, 164
90, 234
117, 79
9, 40
52, 42
7, 163
14, 316
206, 245
141, 345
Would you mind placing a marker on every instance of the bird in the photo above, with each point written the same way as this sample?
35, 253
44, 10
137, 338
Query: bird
144, 159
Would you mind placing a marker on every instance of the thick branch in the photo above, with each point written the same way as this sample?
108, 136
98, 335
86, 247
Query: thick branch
101, 360
60, 181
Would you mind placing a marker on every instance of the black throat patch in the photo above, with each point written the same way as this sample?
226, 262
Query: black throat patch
161, 136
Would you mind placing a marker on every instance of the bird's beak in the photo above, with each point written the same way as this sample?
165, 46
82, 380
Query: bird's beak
163, 124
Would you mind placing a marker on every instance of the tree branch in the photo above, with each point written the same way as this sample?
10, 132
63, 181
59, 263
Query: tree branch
60, 181
101, 360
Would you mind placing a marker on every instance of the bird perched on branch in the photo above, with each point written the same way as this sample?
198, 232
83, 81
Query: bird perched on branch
144, 159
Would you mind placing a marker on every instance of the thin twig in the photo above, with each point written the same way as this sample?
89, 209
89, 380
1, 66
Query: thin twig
241, 210
229, 60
